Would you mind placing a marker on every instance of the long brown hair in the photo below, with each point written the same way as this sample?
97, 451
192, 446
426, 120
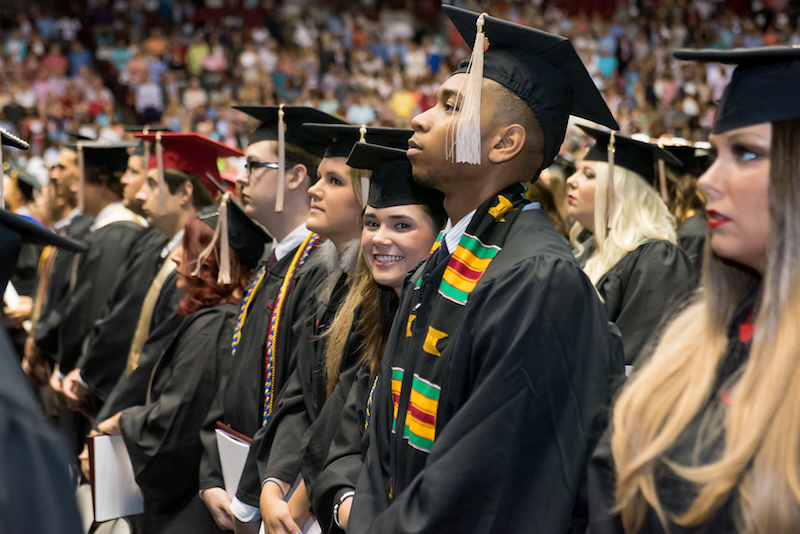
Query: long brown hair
685, 198
203, 290
760, 464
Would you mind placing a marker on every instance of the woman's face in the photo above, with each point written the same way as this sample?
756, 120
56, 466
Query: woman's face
736, 186
394, 240
580, 191
180, 277
335, 211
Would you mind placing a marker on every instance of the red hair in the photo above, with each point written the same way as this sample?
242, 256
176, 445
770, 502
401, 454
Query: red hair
203, 290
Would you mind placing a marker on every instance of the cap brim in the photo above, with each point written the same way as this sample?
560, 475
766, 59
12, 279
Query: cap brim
737, 56
31, 232
13, 141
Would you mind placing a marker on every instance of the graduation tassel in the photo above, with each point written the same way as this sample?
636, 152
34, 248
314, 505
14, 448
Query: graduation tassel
611, 201
662, 180
162, 183
465, 125
281, 160
81, 178
222, 216
224, 275
2, 185
364, 178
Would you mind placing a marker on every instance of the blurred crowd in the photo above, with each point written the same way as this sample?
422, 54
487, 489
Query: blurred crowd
93, 65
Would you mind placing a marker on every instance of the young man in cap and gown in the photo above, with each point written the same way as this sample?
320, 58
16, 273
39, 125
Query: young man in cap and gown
500, 362
282, 160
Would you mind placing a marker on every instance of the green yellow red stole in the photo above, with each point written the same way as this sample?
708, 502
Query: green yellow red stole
440, 295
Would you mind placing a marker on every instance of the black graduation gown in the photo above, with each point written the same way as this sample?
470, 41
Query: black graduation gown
106, 350
638, 290
692, 238
529, 372
275, 451
319, 436
676, 495
240, 402
45, 332
96, 274
162, 437
346, 450
37, 493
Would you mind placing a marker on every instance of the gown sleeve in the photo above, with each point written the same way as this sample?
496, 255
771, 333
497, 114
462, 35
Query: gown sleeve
513, 455
641, 288
163, 437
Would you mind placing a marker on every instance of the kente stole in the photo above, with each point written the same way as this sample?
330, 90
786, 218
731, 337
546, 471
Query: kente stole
439, 298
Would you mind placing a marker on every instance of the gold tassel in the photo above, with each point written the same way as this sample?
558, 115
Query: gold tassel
611, 201
81, 177
281, 161
464, 130
162, 183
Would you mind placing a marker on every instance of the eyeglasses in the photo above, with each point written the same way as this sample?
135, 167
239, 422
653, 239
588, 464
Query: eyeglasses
251, 165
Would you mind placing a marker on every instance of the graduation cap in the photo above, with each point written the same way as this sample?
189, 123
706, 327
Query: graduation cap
763, 87
344, 136
541, 68
645, 159
233, 229
15, 230
7, 139
145, 147
189, 152
694, 156
392, 183
74, 135
21, 179
108, 158
284, 125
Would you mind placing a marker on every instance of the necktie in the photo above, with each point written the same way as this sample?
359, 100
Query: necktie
273, 259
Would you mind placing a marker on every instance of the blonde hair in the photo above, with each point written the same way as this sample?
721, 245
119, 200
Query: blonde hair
639, 216
760, 462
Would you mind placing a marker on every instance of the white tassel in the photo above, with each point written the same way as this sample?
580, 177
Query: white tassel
162, 182
662, 180
2, 192
81, 175
610, 188
146, 156
464, 131
281, 161
203, 256
224, 276
362, 132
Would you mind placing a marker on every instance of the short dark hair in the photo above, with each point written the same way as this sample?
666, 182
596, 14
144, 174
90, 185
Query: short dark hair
301, 157
201, 196
511, 109
99, 175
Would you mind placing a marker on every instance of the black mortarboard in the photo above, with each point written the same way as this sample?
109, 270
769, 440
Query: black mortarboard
15, 230
695, 159
13, 141
566, 165
391, 183
637, 156
347, 135
18, 173
244, 236
293, 117
290, 133
763, 87
541, 68
74, 135
108, 158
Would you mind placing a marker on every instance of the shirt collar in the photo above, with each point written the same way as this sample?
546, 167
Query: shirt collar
66, 221
104, 214
290, 242
453, 232
167, 250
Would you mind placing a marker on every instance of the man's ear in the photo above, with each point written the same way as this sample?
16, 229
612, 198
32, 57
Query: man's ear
508, 143
184, 193
296, 176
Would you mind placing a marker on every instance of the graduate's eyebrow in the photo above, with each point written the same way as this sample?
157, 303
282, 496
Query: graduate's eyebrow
445, 94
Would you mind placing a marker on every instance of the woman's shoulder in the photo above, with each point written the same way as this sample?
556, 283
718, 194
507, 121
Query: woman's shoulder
206, 317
